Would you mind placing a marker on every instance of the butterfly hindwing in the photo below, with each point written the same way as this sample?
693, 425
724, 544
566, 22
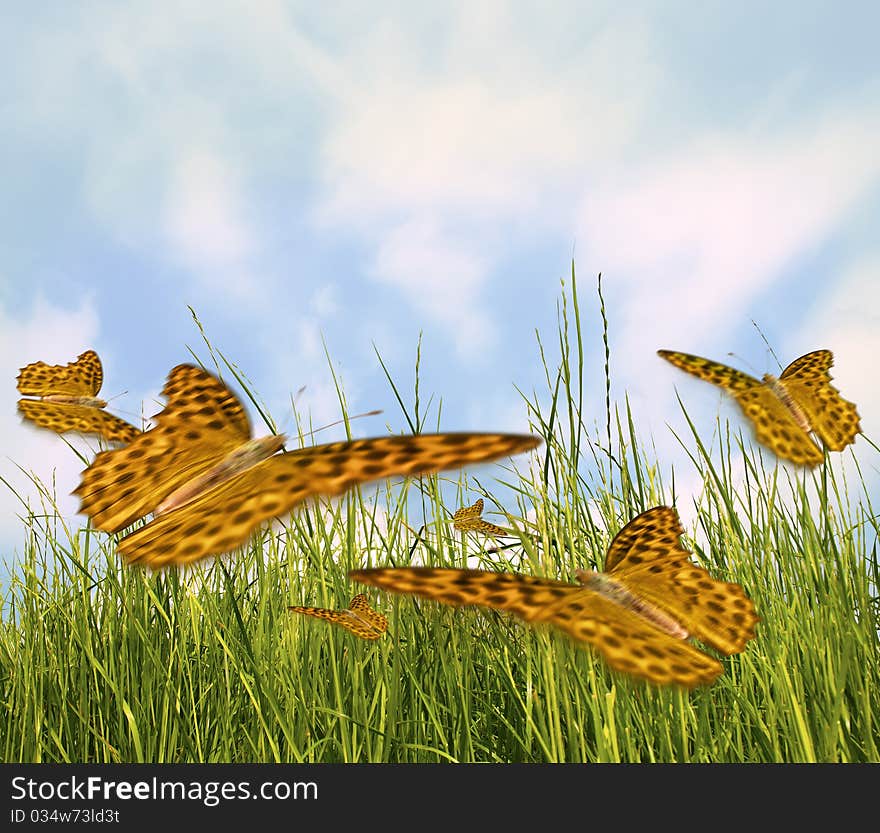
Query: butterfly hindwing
776, 428
62, 418
632, 645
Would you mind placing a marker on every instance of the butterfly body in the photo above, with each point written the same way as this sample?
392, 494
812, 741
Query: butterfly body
782, 392
359, 618
214, 485
786, 410
67, 399
637, 613
236, 462
614, 591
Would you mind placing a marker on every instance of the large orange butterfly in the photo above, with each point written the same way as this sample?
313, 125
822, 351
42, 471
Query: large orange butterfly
639, 613
208, 484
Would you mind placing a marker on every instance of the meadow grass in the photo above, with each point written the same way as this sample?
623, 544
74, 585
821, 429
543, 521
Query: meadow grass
103, 663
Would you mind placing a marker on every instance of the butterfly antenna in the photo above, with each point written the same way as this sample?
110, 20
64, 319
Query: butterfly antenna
339, 421
764, 339
744, 361
296, 396
130, 414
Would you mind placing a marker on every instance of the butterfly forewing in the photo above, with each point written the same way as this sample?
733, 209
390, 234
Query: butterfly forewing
80, 378
717, 373
832, 417
776, 428
466, 513
651, 536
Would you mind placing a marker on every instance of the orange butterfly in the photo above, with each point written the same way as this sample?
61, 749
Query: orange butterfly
638, 613
68, 399
209, 485
359, 617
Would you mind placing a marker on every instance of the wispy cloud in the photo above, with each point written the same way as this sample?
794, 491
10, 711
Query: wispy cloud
695, 239
206, 227
438, 161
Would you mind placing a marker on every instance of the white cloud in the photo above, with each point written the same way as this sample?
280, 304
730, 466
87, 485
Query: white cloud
692, 241
438, 160
441, 277
325, 300
205, 223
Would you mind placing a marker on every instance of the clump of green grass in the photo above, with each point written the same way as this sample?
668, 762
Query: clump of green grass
99, 662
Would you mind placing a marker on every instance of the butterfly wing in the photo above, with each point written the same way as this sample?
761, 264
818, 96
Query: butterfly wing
628, 643
202, 421
224, 517
776, 428
80, 378
648, 559
651, 536
832, 417
485, 527
717, 373
61, 418
774, 425
337, 617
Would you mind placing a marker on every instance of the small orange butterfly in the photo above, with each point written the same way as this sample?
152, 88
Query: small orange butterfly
469, 519
68, 399
359, 617
786, 410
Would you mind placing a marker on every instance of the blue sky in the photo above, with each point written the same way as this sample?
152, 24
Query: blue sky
366, 172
